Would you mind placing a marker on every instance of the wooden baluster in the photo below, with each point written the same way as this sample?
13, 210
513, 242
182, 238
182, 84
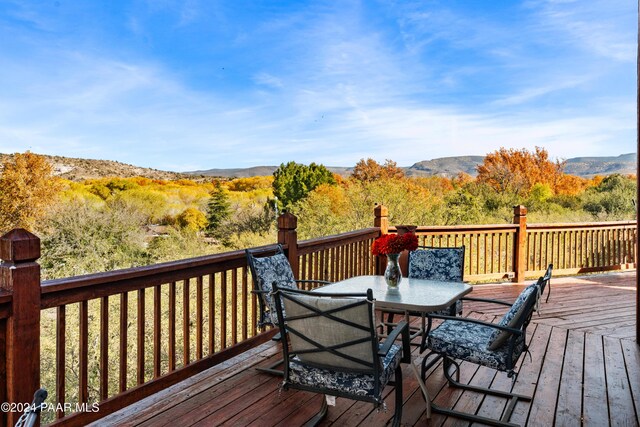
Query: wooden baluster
316, 266
104, 348
157, 330
186, 320
141, 337
199, 333
323, 274
124, 311
478, 253
61, 364
172, 326
223, 310
212, 313
332, 263
234, 305
83, 383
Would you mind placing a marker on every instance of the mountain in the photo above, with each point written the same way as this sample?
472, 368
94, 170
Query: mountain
446, 166
75, 169
590, 166
586, 167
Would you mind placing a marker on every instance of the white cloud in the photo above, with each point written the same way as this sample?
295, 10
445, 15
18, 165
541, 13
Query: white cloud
337, 88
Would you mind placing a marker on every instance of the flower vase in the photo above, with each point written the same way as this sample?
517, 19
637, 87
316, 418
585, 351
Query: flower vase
392, 274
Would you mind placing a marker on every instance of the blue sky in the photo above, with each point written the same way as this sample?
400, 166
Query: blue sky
197, 84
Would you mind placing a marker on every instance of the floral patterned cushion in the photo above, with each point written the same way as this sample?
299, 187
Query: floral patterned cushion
446, 311
437, 264
340, 381
468, 341
271, 269
498, 337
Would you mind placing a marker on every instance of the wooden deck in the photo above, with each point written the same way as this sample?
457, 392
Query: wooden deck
584, 369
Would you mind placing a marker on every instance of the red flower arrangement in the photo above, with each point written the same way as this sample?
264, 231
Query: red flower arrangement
394, 244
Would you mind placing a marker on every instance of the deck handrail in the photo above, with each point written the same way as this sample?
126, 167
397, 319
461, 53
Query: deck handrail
136, 323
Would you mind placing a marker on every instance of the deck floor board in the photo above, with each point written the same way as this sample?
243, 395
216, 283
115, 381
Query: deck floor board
584, 368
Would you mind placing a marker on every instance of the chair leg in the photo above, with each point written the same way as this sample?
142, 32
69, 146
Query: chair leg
549, 292
320, 415
271, 368
446, 364
426, 366
503, 422
397, 416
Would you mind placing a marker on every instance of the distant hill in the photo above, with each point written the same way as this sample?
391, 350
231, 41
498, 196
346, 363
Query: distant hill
591, 166
446, 166
77, 169
451, 166
257, 171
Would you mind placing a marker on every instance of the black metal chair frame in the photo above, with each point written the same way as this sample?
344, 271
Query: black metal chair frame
546, 281
519, 329
263, 306
374, 369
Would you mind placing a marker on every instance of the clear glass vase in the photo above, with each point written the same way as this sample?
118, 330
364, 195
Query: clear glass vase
392, 274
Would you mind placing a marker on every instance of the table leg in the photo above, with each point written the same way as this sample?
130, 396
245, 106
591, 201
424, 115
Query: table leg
423, 387
421, 383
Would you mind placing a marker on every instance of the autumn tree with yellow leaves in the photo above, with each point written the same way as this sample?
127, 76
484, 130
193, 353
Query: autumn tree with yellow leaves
27, 190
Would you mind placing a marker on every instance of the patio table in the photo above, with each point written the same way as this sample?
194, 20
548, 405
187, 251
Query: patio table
411, 295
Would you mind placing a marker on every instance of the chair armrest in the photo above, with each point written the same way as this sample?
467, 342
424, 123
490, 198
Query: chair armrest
402, 328
478, 322
259, 292
494, 301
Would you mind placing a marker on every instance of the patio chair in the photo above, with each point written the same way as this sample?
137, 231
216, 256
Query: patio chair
494, 345
435, 263
446, 264
265, 271
331, 347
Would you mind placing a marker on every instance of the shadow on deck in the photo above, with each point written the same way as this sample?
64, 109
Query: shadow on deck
584, 369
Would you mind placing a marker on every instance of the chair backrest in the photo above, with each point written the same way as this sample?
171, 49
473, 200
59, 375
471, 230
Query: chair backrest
445, 264
265, 271
330, 331
517, 317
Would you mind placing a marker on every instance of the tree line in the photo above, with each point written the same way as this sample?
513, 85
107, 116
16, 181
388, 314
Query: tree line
110, 223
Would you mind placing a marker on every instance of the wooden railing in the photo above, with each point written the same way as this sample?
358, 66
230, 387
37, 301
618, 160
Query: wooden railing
114, 338
581, 248
489, 250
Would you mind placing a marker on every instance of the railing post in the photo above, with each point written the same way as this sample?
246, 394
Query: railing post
20, 275
520, 244
381, 221
287, 235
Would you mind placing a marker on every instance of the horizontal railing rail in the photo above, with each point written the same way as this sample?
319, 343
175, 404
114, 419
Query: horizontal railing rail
114, 338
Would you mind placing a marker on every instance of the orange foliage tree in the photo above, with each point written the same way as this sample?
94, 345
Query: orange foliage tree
27, 188
370, 170
517, 171
571, 185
